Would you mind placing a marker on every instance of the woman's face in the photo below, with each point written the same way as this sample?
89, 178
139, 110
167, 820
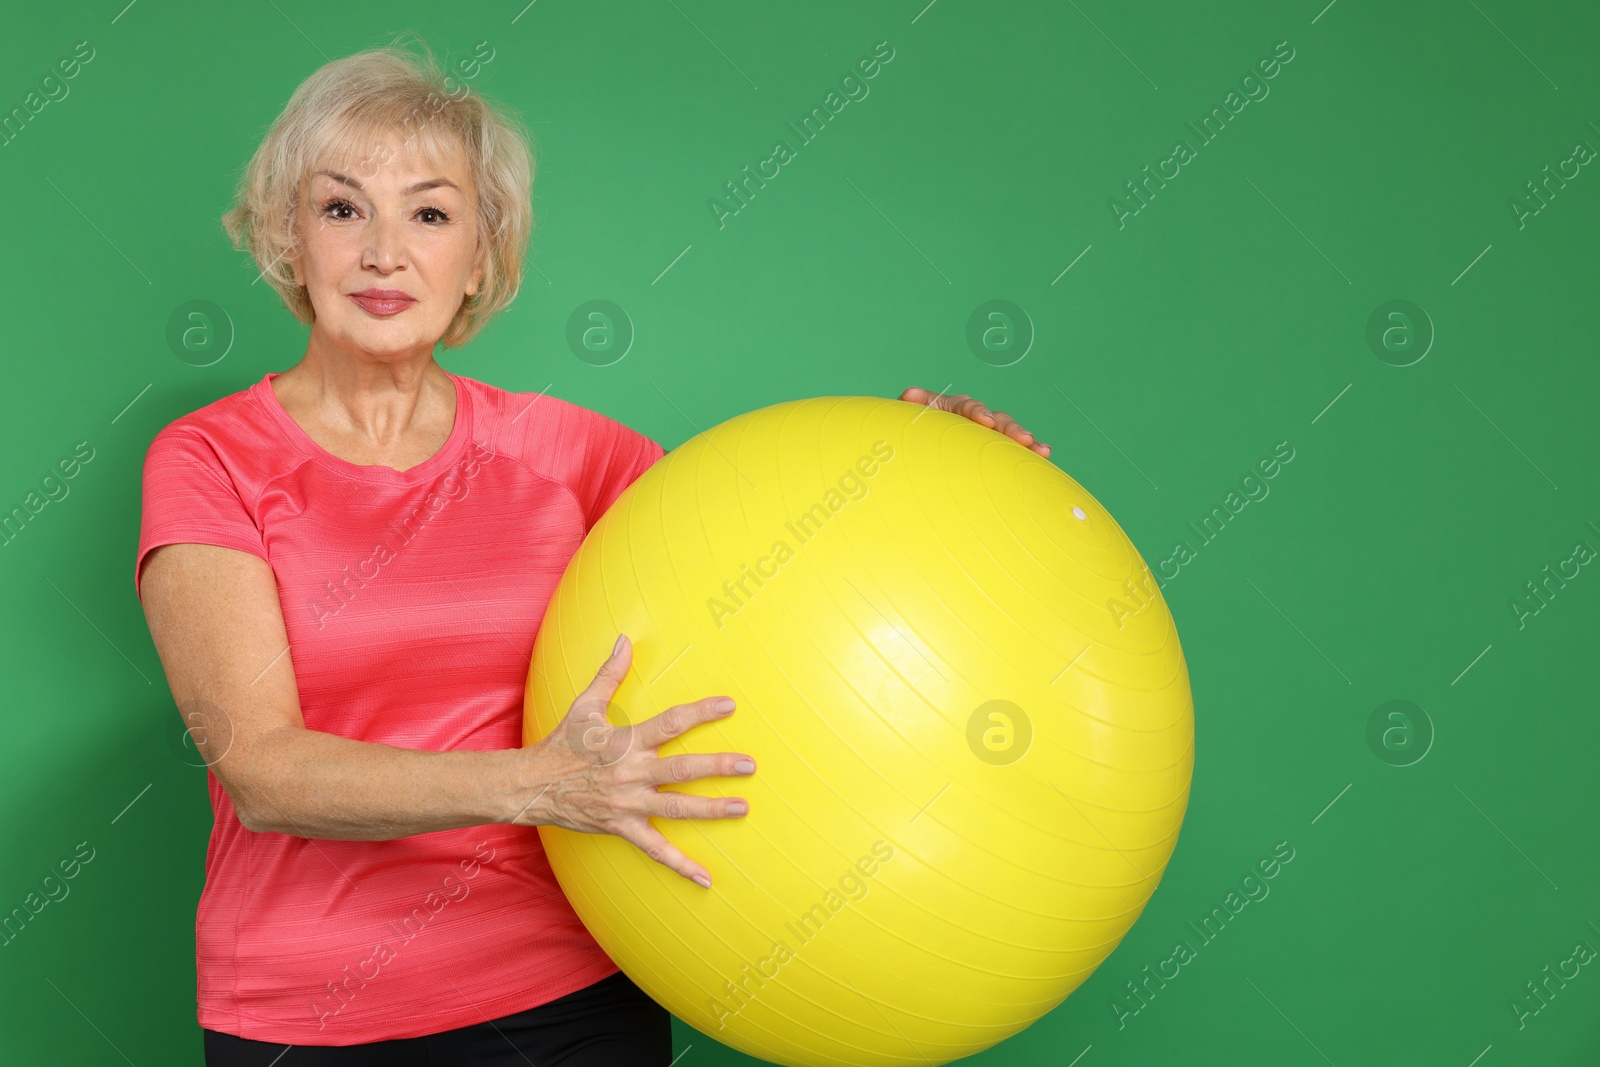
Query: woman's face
389, 249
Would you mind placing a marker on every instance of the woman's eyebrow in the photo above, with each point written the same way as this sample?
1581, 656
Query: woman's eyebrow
418, 187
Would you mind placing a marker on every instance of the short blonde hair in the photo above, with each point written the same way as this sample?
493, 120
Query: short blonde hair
343, 110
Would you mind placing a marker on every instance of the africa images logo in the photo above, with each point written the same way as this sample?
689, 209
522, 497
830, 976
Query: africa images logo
807, 525
807, 926
451, 890
335, 597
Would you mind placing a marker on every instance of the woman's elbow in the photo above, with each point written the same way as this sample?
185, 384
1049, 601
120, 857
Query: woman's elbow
254, 815
250, 790
249, 810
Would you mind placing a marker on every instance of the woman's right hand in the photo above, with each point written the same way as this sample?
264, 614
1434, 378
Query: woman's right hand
603, 778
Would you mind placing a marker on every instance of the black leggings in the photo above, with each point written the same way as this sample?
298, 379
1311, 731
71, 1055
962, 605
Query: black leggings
608, 1023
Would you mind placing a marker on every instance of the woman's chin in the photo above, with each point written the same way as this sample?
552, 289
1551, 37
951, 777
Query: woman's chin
383, 339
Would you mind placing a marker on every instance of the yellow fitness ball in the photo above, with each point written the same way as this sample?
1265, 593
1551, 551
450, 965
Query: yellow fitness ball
967, 704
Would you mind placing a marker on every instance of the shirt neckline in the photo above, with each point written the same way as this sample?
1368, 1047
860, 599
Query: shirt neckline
376, 472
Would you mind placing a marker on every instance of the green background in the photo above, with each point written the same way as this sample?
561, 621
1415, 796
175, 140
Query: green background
1229, 314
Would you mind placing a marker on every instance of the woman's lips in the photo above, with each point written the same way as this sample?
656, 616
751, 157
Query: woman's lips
382, 305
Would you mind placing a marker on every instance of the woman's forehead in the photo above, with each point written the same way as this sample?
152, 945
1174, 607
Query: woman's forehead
362, 154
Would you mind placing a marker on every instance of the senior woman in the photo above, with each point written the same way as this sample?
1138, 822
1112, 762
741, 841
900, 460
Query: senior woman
343, 568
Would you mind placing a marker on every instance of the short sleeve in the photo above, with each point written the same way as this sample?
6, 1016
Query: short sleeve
616, 457
188, 497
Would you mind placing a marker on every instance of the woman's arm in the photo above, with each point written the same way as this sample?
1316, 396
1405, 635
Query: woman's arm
218, 628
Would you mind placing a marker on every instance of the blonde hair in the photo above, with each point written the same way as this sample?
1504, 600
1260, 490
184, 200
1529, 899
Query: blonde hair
342, 111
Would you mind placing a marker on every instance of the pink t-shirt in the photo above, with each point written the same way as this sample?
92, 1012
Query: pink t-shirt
411, 600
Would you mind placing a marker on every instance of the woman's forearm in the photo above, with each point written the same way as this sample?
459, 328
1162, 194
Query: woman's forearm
313, 784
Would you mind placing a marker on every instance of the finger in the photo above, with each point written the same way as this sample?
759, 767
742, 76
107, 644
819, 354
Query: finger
975, 409
679, 719
597, 694
1006, 424
960, 404
942, 401
1016, 432
654, 844
687, 766
1009, 426
670, 804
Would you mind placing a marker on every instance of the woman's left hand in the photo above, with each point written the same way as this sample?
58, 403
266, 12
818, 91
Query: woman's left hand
970, 408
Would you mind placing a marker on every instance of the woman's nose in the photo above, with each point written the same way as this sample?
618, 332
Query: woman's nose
385, 244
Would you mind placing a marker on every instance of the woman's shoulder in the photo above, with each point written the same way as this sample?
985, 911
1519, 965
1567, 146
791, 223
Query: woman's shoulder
540, 420
231, 423
514, 406
593, 454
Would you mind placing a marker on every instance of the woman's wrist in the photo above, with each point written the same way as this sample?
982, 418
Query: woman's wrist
523, 794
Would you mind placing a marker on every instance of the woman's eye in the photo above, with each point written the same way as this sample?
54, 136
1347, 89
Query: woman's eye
431, 215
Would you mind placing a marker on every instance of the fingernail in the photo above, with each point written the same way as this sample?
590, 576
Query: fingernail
744, 766
618, 646
724, 704
704, 882
738, 807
